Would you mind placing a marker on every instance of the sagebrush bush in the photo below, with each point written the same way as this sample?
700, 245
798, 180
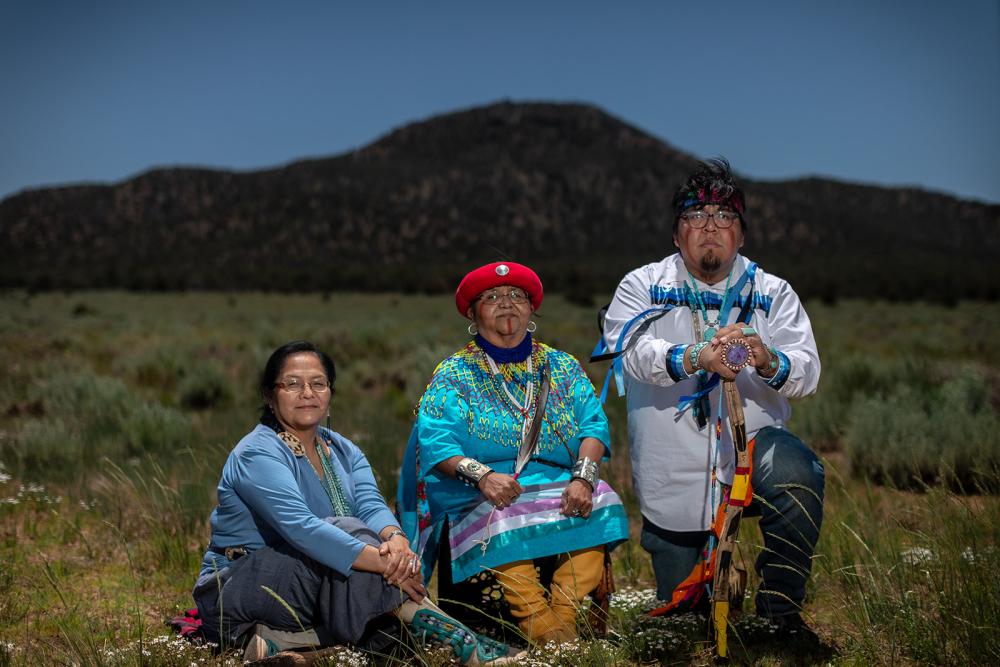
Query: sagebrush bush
823, 419
916, 436
151, 428
159, 366
89, 418
205, 386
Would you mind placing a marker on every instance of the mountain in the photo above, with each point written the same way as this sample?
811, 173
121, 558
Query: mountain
576, 193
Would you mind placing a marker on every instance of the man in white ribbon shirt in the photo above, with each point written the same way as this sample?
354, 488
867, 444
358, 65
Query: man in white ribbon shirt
670, 321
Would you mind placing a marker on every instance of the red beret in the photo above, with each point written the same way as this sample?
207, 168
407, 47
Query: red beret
493, 275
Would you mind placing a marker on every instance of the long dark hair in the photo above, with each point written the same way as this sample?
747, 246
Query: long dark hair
273, 368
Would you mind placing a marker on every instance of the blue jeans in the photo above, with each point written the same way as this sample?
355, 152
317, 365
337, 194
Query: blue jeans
788, 481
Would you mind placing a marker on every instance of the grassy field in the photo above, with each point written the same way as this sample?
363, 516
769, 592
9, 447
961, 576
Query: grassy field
118, 409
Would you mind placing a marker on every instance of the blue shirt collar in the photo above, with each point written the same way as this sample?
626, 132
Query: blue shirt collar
506, 355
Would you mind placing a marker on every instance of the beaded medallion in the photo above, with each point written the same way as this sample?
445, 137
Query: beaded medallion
736, 355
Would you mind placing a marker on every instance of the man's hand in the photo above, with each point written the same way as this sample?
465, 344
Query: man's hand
501, 490
710, 358
760, 355
577, 499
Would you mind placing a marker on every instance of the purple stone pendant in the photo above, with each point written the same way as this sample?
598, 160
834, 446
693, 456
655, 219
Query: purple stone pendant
736, 355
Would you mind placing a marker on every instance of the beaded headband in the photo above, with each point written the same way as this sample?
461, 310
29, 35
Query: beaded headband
701, 197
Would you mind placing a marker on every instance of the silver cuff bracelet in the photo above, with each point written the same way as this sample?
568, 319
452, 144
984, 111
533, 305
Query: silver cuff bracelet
586, 470
470, 471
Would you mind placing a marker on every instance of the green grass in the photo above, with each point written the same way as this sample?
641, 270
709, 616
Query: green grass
117, 411
925, 588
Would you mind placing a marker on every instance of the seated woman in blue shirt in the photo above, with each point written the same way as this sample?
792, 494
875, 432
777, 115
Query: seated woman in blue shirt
304, 550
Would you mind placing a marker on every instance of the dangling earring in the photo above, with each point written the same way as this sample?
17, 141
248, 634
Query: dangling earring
328, 427
532, 326
472, 329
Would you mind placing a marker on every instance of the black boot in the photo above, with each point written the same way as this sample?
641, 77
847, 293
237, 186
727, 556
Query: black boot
791, 627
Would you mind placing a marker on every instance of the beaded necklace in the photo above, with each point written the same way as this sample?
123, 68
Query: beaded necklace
704, 407
529, 393
327, 475
331, 483
711, 327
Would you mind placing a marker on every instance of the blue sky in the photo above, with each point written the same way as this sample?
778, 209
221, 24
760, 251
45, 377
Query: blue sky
893, 93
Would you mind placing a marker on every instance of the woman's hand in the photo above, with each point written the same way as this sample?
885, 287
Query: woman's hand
400, 561
372, 559
413, 586
501, 490
577, 499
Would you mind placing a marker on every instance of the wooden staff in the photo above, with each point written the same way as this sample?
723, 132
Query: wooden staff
736, 356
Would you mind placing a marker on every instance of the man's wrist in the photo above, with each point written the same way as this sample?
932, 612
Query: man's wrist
677, 363
782, 371
694, 356
770, 365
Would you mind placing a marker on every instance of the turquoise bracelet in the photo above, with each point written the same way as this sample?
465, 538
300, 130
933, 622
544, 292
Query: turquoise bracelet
773, 361
693, 353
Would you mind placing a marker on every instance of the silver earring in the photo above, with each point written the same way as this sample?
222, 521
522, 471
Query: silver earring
472, 329
532, 326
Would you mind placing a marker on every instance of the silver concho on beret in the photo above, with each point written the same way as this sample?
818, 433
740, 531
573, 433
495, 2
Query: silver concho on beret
502, 270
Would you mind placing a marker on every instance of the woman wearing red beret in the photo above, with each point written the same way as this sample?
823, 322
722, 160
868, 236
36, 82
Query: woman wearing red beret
504, 458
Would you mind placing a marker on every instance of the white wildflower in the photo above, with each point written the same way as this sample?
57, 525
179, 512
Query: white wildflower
917, 556
630, 599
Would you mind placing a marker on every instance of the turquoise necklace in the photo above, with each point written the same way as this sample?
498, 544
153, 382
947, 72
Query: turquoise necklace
331, 483
711, 327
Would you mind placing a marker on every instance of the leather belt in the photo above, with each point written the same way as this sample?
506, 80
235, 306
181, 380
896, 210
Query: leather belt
231, 553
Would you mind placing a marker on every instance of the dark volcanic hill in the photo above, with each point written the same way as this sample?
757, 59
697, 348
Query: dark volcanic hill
574, 192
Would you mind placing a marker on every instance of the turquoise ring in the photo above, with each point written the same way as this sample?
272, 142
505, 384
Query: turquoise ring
749, 331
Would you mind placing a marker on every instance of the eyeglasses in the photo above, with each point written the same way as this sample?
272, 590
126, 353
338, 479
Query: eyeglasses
698, 219
516, 296
297, 385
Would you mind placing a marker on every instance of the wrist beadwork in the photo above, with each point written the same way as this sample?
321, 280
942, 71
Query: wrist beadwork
694, 355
